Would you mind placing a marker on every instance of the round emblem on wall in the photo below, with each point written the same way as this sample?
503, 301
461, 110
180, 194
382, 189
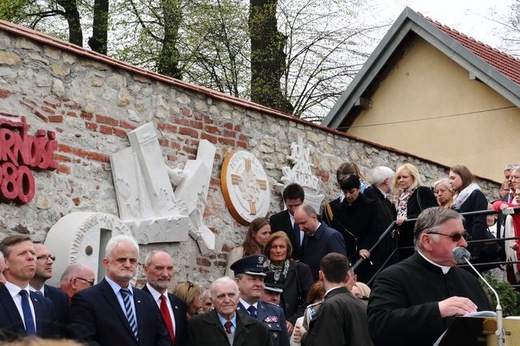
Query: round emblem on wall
245, 186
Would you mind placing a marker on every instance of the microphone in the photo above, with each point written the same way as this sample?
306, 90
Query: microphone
461, 256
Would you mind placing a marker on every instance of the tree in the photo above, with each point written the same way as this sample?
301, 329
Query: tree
267, 55
98, 40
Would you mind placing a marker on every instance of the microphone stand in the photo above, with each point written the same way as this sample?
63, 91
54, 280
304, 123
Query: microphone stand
500, 322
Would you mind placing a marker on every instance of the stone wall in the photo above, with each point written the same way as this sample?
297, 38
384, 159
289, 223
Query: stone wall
91, 102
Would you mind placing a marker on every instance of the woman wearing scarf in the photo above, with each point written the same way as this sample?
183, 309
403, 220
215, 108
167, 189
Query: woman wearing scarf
294, 277
413, 199
468, 197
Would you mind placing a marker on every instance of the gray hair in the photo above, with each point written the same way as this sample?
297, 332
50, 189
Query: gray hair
118, 239
380, 174
307, 209
148, 259
222, 280
431, 218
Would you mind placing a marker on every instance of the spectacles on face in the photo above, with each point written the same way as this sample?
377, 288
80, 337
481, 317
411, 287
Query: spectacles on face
455, 236
46, 257
90, 282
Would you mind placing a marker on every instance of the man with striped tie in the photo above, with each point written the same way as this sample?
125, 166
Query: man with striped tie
113, 312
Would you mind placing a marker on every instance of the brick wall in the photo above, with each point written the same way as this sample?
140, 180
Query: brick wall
92, 102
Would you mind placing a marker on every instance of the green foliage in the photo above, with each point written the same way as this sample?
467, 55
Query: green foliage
509, 297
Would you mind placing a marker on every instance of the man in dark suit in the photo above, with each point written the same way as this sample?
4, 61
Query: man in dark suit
113, 312
22, 312
293, 196
158, 268
381, 187
319, 238
341, 319
223, 326
44, 262
249, 276
2, 267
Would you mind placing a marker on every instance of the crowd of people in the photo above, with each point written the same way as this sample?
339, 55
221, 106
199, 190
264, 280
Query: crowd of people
292, 281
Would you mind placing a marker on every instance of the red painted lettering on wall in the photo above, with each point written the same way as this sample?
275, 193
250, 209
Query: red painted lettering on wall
19, 152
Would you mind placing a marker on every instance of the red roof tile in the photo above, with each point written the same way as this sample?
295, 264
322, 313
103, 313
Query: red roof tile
502, 62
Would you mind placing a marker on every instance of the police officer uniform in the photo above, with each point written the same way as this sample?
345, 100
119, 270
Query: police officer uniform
270, 315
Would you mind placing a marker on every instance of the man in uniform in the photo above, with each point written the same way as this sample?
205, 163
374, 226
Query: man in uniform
249, 276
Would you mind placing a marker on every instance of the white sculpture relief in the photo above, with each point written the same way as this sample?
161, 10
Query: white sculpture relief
147, 201
81, 237
301, 173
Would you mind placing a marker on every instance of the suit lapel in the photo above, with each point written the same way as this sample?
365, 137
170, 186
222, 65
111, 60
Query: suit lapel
113, 302
11, 311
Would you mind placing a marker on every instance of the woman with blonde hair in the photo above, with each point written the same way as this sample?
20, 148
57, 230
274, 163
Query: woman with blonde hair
190, 293
413, 199
443, 192
294, 277
257, 234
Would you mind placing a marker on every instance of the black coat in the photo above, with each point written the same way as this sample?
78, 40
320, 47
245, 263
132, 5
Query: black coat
403, 308
295, 289
60, 300
475, 225
422, 198
206, 329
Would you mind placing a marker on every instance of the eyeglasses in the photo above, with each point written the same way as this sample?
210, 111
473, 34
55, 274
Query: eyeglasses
46, 257
90, 282
455, 236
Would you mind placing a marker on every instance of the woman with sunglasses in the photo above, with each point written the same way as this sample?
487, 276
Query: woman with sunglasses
191, 294
257, 234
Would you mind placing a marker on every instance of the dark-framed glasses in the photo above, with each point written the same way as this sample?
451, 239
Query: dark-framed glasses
46, 257
90, 282
455, 236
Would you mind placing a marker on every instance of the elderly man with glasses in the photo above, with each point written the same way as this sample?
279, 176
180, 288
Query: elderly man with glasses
414, 301
76, 278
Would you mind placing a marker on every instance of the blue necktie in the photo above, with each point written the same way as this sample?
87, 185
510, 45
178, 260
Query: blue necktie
27, 314
252, 311
130, 316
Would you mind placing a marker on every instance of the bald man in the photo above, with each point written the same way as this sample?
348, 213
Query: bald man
75, 278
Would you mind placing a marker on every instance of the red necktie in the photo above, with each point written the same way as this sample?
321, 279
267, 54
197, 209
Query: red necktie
228, 326
167, 318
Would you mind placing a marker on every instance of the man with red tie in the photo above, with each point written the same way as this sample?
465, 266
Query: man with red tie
158, 268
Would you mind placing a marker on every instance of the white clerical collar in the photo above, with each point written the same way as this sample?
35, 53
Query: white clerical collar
445, 269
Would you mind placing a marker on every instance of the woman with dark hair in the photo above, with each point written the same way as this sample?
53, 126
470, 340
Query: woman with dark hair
468, 197
413, 199
294, 277
257, 234
358, 220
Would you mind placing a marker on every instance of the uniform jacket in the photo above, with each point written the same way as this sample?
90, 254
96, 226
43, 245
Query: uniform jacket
341, 321
273, 318
11, 324
206, 330
97, 318
180, 309
403, 305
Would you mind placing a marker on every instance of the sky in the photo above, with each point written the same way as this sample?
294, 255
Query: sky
475, 18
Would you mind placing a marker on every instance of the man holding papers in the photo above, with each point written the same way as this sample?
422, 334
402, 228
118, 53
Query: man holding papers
415, 301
